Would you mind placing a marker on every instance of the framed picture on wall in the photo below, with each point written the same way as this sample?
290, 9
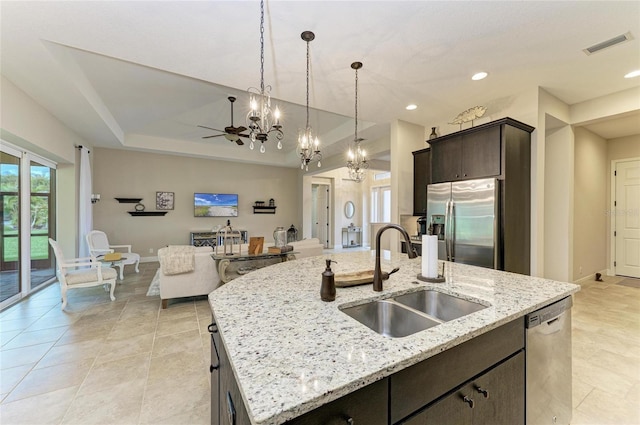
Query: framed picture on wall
164, 200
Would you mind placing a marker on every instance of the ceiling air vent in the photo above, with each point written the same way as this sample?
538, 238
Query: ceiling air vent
608, 43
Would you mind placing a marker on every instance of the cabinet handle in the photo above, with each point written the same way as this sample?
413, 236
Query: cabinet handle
212, 328
469, 401
231, 411
482, 391
349, 420
212, 367
465, 174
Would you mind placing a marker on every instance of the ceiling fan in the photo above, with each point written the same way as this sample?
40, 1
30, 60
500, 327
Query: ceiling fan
231, 133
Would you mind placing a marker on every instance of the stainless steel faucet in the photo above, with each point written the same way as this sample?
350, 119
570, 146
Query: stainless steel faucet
411, 252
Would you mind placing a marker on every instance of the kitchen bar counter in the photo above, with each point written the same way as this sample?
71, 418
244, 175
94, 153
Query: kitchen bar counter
291, 352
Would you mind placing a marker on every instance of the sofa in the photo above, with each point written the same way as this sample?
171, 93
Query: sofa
186, 271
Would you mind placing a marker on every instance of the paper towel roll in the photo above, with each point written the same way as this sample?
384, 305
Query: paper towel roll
430, 256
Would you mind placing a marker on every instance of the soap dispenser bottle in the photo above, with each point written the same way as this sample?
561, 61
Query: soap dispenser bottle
328, 288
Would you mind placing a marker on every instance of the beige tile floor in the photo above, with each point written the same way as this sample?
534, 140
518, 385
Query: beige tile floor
102, 362
130, 362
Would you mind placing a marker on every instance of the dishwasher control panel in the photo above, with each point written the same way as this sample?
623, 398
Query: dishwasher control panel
549, 312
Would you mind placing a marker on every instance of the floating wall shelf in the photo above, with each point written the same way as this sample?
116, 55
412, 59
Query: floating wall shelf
129, 200
148, 213
264, 210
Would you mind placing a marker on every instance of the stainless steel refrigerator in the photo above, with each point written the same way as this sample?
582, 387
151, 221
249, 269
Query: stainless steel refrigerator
465, 217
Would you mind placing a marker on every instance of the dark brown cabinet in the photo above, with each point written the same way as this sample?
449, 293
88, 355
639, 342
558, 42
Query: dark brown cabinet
230, 408
488, 150
214, 368
467, 156
499, 149
421, 179
495, 397
365, 406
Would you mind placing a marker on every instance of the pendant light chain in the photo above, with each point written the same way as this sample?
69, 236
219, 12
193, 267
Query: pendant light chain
308, 62
356, 132
262, 47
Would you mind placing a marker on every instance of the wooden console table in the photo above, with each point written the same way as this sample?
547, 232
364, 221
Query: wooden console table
233, 266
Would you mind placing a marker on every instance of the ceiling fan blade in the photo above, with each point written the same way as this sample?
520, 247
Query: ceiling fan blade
210, 128
239, 142
240, 129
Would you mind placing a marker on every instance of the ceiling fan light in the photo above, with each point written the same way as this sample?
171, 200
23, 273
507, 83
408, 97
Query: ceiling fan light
479, 76
633, 74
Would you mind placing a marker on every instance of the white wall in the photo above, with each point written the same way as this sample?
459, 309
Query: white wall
558, 204
590, 204
27, 124
405, 139
120, 173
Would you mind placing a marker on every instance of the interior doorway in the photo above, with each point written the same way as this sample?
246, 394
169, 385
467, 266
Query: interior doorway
626, 218
321, 213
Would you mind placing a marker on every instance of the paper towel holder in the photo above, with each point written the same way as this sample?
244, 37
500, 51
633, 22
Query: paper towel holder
438, 279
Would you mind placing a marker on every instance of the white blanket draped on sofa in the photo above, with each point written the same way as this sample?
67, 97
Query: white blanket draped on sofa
177, 259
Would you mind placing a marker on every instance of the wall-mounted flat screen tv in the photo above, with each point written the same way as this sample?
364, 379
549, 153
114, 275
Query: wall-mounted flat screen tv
215, 205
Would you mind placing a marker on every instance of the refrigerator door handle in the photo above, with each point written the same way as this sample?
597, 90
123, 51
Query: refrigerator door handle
452, 227
446, 230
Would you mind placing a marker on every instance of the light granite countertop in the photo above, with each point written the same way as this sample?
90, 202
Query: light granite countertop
292, 352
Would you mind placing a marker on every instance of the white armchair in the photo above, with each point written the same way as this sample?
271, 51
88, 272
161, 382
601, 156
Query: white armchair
99, 245
69, 278
179, 282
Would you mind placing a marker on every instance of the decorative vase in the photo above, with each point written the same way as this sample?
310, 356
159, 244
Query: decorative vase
433, 134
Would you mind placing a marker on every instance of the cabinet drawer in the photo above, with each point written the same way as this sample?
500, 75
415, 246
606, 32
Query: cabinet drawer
419, 385
365, 406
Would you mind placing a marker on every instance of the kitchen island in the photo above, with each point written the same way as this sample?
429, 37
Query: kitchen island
287, 352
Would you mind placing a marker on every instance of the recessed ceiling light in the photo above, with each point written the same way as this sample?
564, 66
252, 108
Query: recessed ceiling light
412, 107
479, 76
632, 74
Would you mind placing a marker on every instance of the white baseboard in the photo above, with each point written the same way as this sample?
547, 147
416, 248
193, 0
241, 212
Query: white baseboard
149, 259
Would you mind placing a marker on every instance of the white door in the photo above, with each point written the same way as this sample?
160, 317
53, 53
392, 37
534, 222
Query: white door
627, 219
320, 214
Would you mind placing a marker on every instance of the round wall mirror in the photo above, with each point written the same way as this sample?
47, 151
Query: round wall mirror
349, 209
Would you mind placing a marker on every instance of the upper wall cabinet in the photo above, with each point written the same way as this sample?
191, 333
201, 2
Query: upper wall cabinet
476, 152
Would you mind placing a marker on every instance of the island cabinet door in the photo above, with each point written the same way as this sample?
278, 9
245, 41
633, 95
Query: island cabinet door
367, 406
214, 368
495, 397
232, 408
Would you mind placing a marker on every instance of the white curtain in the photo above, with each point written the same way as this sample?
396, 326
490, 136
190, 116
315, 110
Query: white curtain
85, 214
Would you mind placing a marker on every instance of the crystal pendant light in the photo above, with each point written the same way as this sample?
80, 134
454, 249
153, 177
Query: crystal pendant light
261, 121
308, 143
357, 157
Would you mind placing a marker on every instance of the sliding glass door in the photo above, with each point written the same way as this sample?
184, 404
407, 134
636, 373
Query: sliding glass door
10, 281
27, 197
41, 220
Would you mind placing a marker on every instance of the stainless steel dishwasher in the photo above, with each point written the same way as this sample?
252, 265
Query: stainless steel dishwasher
548, 359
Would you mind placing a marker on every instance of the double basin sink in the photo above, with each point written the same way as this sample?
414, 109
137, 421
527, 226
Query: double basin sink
410, 313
